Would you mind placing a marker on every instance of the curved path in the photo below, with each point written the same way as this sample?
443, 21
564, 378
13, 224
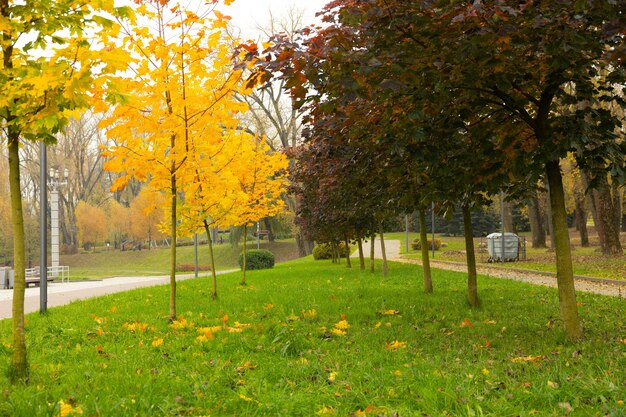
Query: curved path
585, 284
64, 293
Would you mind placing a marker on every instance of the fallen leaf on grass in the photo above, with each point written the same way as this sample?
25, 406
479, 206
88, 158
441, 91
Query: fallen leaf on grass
309, 314
529, 358
157, 342
391, 312
566, 406
337, 332
135, 327
69, 408
326, 411
368, 410
245, 367
331, 377
552, 385
395, 345
181, 323
467, 323
342, 325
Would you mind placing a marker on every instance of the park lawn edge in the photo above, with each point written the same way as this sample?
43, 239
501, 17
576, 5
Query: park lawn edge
279, 349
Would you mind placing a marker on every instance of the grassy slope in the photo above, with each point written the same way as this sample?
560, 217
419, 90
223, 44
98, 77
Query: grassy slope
587, 261
156, 262
509, 358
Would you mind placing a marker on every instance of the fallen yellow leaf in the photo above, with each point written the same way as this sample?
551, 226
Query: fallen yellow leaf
391, 312
529, 358
395, 345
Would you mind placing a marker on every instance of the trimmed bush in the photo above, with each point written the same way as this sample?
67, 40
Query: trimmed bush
325, 251
257, 259
417, 244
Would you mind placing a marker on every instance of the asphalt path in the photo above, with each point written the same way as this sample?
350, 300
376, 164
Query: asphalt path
64, 293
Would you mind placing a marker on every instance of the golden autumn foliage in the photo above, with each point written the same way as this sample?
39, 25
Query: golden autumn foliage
146, 214
175, 124
91, 222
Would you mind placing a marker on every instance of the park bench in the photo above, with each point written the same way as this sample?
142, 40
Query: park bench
33, 277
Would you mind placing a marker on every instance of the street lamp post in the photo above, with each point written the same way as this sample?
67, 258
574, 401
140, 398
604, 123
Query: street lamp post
55, 183
43, 229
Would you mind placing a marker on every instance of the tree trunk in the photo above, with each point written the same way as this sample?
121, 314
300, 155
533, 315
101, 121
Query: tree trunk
268, 227
244, 260
212, 259
472, 283
372, 239
581, 220
361, 257
607, 219
550, 228
338, 252
384, 252
509, 225
536, 222
623, 211
19, 361
173, 234
428, 282
597, 222
564, 270
305, 246
348, 255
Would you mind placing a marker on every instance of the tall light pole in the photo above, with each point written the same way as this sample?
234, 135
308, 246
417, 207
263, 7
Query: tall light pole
55, 184
43, 229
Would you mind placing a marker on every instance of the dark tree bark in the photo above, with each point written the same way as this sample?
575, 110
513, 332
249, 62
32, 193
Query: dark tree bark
537, 228
472, 283
564, 269
605, 207
509, 225
428, 282
372, 239
349, 262
384, 253
361, 257
581, 220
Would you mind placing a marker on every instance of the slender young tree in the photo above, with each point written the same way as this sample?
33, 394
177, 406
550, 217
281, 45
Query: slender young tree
50, 60
176, 91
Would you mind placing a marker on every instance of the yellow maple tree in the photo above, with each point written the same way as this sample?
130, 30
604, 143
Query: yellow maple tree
178, 100
260, 181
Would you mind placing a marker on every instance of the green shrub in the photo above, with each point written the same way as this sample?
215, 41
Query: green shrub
325, 251
257, 259
417, 244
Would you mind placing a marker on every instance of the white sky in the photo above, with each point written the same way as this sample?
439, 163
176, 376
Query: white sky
247, 15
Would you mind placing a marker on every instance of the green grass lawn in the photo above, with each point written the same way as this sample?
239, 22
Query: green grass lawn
315, 339
104, 263
586, 261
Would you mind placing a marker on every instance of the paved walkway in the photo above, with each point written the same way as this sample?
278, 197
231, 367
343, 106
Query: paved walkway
64, 293
392, 249
534, 277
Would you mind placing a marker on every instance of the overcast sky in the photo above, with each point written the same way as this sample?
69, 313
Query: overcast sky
247, 15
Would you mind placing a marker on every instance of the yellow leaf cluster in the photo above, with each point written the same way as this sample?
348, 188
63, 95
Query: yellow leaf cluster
176, 126
395, 345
